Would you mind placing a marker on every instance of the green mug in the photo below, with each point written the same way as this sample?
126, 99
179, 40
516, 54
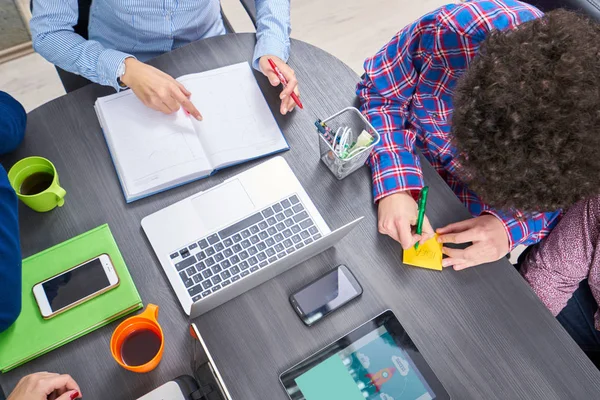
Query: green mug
35, 181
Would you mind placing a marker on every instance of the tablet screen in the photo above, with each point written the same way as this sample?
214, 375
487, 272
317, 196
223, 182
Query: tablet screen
377, 361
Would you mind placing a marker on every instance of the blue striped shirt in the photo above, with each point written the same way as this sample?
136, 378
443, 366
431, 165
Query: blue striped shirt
144, 29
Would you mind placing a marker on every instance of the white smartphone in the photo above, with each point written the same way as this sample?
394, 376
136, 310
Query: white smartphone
75, 286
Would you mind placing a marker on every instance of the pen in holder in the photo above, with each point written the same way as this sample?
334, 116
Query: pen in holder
345, 141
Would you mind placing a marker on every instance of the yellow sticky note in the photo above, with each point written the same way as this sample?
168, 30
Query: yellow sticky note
429, 255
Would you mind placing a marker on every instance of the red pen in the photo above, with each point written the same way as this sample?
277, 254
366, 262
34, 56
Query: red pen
284, 82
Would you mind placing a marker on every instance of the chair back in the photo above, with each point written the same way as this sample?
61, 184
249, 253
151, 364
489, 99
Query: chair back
250, 7
84, 17
589, 7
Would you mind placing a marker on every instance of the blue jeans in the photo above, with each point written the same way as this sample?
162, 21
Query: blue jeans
578, 319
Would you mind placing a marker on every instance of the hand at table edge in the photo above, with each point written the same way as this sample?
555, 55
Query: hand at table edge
44, 386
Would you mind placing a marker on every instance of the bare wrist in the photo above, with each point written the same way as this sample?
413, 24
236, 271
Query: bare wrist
402, 193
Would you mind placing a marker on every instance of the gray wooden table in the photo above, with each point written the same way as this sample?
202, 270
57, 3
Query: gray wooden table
483, 330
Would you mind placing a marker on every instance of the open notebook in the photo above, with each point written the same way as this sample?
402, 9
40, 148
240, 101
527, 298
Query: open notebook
153, 152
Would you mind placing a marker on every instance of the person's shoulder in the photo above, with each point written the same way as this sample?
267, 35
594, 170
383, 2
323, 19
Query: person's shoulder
6, 98
9, 106
13, 120
479, 17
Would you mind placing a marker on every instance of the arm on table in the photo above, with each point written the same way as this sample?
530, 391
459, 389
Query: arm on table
493, 233
12, 129
273, 42
10, 255
53, 37
385, 93
519, 228
524, 230
273, 30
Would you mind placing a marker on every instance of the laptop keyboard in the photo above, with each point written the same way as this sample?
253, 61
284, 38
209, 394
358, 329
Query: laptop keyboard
222, 258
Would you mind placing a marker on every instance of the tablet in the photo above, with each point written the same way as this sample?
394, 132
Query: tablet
376, 361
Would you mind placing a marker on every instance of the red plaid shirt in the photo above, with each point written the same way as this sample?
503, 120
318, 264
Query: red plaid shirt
407, 95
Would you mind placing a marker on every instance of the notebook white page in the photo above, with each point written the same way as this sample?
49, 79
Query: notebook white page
151, 151
237, 123
154, 152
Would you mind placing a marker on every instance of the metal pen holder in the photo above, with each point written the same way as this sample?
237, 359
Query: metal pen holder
336, 150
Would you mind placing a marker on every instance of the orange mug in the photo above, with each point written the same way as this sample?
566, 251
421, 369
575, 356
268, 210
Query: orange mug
138, 342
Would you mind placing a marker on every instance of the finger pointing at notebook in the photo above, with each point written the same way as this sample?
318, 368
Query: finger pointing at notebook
157, 89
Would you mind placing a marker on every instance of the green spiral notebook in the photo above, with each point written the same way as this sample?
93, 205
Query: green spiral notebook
31, 335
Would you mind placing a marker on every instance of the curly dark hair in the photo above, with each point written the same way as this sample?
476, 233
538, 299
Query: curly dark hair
526, 116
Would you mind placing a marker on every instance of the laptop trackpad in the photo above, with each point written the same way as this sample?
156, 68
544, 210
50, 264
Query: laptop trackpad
225, 204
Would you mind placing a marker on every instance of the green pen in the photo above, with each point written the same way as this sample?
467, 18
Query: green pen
422, 203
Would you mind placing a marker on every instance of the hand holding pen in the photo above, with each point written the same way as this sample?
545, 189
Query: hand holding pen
422, 205
279, 73
397, 213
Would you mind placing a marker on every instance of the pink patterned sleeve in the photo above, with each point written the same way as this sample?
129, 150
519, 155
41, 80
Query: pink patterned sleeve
570, 254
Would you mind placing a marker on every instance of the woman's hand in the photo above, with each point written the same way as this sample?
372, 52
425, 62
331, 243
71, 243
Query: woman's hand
46, 386
287, 103
156, 89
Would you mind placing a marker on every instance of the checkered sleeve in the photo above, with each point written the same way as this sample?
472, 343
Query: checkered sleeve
385, 93
526, 229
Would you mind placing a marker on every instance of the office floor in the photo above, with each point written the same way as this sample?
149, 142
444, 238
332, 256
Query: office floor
12, 29
349, 29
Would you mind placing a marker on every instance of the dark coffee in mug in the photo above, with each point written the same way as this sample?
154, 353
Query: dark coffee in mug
140, 347
36, 183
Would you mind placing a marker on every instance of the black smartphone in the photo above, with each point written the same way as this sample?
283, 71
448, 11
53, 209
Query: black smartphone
325, 295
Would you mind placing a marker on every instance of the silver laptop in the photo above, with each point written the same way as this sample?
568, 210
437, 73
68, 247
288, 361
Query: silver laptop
220, 243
